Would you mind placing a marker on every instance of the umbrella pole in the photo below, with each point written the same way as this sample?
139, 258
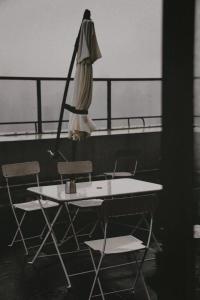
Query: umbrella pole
86, 15
57, 144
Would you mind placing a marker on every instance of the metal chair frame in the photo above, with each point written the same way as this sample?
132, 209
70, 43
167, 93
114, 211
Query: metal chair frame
117, 173
74, 168
113, 208
130, 172
19, 170
142, 224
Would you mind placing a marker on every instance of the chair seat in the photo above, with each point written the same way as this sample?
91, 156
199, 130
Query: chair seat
87, 203
119, 174
34, 205
114, 245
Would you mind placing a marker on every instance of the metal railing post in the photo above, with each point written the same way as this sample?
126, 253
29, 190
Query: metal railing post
39, 106
108, 104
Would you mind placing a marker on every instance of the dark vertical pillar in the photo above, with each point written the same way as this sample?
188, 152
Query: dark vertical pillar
39, 107
109, 104
177, 262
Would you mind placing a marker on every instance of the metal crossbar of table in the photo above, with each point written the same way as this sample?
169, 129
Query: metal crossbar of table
86, 190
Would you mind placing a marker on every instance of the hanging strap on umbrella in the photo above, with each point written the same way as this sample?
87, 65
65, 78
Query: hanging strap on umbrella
74, 110
64, 106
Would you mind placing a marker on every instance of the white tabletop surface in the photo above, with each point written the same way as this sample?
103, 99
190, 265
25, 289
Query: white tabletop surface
97, 189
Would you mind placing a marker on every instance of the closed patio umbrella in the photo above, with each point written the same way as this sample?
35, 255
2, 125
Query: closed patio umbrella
80, 123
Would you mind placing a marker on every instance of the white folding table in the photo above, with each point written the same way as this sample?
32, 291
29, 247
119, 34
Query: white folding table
87, 190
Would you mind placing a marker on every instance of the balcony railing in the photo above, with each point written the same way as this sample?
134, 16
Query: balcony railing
140, 121
37, 131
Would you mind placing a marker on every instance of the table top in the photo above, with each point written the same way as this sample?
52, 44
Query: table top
97, 189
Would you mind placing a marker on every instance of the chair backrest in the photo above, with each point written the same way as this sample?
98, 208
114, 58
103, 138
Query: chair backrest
126, 164
129, 205
74, 167
20, 169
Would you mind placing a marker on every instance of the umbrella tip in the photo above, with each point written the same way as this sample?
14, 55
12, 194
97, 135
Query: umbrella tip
87, 14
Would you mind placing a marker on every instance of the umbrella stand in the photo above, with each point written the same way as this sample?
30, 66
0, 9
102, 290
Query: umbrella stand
64, 106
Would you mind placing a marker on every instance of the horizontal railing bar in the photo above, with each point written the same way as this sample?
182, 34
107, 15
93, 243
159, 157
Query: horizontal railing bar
96, 119
96, 79
18, 122
65, 131
64, 78
135, 127
104, 119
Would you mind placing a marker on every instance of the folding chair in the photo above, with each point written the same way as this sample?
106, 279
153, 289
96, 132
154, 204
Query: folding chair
125, 166
71, 169
22, 170
121, 244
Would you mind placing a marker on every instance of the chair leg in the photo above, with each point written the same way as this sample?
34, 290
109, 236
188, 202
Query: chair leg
48, 233
19, 229
137, 226
143, 281
43, 230
153, 235
96, 276
99, 282
15, 236
72, 226
93, 228
68, 228
50, 227
145, 286
96, 223
139, 267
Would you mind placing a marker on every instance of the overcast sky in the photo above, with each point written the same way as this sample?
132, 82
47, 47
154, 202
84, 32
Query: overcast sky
37, 36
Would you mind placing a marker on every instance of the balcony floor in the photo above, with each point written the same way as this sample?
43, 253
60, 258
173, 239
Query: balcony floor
45, 281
